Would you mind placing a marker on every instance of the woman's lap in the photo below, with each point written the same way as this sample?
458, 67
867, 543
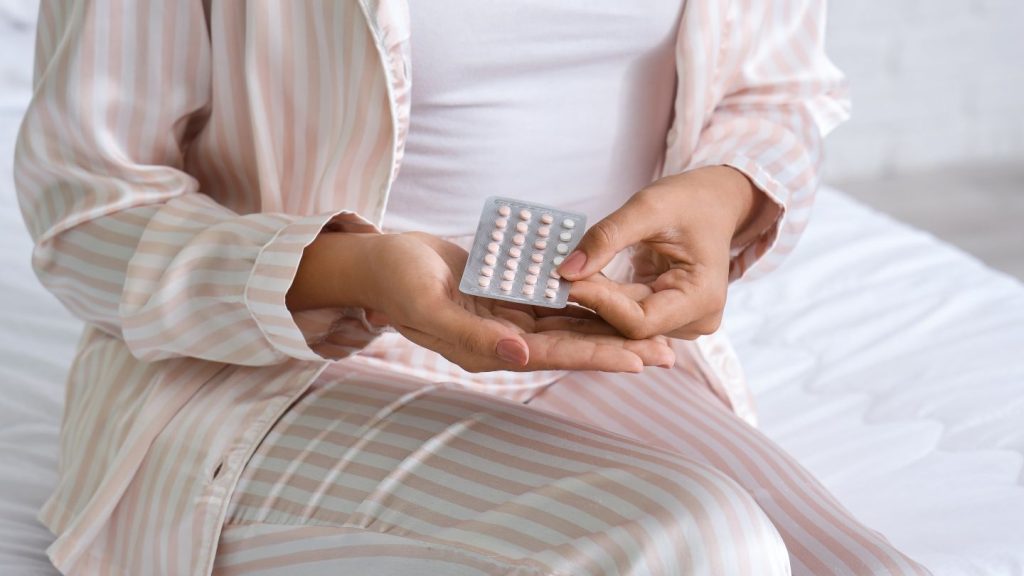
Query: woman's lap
487, 481
597, 474
676, 411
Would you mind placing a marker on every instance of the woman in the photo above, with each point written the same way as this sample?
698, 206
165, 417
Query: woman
278, 376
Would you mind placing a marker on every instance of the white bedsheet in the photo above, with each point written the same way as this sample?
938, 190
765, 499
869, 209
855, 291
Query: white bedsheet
37, 336
887, 362
892, 366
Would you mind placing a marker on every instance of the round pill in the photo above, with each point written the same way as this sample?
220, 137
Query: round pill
565, 236
506, 286
487, 271
509, 274
514, 252
504, 210
490, 259
554, 274
558, 260
522, 227
524, 214
553, 284
483, 281
519, 239
568, 223
528, 290
550, 294
511, 264
562, 248
497, 236
537, 257
546, 218
533, 269
540, 244
530, 279
544, 231
493, 247
500, 223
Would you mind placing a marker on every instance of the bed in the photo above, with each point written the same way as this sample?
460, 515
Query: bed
889, 363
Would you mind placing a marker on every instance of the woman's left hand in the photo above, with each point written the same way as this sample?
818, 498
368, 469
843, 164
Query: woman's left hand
681, 228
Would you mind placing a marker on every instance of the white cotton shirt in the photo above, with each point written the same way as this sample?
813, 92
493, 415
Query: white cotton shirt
560, 102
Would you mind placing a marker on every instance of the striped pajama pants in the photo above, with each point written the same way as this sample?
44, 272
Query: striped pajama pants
596, 474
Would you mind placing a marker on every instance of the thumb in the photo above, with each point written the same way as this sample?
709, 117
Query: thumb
618, 231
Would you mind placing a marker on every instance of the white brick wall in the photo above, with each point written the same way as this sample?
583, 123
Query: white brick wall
934, 82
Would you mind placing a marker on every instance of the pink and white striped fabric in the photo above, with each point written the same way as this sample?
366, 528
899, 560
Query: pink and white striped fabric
600, 474
177, 157
490, 486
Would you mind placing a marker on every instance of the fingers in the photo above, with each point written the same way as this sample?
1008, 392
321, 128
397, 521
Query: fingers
630, 224
559, 350
593, 325
614, 303
634, 290
574, 351
575, 319
675, 307
377, 318
460, 356
648, 264
571, 310
450, 323
652, 351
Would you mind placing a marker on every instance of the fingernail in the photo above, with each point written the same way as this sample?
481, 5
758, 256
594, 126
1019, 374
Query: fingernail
376, 318
511, 351
573, 264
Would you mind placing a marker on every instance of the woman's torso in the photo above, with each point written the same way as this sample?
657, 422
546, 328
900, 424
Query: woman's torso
559, 103
565, 104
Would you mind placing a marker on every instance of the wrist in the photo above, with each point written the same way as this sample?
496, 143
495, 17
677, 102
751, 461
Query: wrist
332, 272
739, 196
725, 196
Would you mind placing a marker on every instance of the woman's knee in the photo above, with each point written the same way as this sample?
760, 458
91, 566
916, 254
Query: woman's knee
713, 524
688, 518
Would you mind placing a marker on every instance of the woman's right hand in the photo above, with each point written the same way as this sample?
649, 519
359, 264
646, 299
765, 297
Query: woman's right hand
411, 281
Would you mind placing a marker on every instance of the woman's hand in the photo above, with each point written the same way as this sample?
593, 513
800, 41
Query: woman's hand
411, 281
681, 227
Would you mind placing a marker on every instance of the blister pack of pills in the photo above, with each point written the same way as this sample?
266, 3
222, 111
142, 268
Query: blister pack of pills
515, 252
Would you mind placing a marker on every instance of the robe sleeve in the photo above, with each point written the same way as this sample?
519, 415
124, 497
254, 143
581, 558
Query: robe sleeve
776, 95
124, 237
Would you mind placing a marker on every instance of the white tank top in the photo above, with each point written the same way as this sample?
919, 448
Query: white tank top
561, 102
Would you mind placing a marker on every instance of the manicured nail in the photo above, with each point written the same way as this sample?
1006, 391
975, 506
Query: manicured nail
512, 351
573, 264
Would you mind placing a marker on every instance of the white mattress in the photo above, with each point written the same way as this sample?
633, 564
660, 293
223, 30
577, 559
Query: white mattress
887, 362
